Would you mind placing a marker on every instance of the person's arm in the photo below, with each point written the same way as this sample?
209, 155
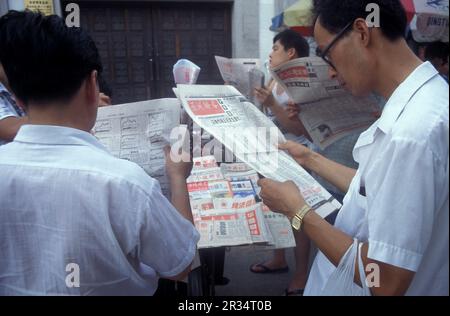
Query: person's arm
9, 127
338, 175
180, 200
333, 243
292, 125
182, 276
293, 110
177, 172
180, 196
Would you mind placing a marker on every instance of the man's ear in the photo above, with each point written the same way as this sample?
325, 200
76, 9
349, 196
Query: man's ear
362, 31
292, 53
92, 92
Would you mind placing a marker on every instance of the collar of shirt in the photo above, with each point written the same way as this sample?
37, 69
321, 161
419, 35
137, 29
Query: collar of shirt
397, 102
57, 135
3, 88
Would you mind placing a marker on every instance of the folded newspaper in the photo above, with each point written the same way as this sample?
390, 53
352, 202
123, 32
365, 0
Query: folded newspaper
225, 208
328, 111
139, 132
253, 138
242, 73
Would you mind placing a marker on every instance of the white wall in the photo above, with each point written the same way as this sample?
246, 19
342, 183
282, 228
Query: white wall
3, 7
245, 29
16, 4
57, 7
266, 13
280, 5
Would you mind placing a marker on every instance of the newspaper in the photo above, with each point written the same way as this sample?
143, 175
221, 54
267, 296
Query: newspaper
329, 120
277, 224
232, 120
241, 173
139, 132
221, 218
280, 227
251, 214
223, 229
241, 73
328, 111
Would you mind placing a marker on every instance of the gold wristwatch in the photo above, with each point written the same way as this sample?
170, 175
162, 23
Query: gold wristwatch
297, 220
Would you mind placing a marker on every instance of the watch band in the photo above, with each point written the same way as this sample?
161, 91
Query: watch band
297, 221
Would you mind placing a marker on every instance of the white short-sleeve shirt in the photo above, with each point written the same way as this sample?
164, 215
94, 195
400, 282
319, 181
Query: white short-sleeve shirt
8, 106
398, 200
65, 200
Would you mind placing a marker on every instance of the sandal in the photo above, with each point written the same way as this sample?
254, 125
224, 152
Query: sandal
264, 269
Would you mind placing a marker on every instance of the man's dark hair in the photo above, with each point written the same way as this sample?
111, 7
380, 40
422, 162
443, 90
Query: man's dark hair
291, 39
436, 50
334, 15
44, 59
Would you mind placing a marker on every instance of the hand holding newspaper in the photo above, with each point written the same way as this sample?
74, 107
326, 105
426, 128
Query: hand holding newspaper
328, 111
227, 115
279, 230
225, 210
241, 73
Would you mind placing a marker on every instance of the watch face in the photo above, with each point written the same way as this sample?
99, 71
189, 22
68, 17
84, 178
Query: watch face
296, 223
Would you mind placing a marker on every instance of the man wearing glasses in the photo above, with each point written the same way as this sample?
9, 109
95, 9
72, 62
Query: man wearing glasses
396, 205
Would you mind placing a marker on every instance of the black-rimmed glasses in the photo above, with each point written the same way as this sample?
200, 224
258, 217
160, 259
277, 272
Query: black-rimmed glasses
324, 54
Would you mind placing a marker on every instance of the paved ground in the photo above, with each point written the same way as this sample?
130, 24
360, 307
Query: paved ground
242, 281
245, 283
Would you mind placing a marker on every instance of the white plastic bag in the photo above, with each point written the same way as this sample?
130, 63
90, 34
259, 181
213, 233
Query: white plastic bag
185, 72
341, 283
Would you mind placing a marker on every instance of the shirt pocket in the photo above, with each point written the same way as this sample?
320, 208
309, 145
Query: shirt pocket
354, 218
362, 228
